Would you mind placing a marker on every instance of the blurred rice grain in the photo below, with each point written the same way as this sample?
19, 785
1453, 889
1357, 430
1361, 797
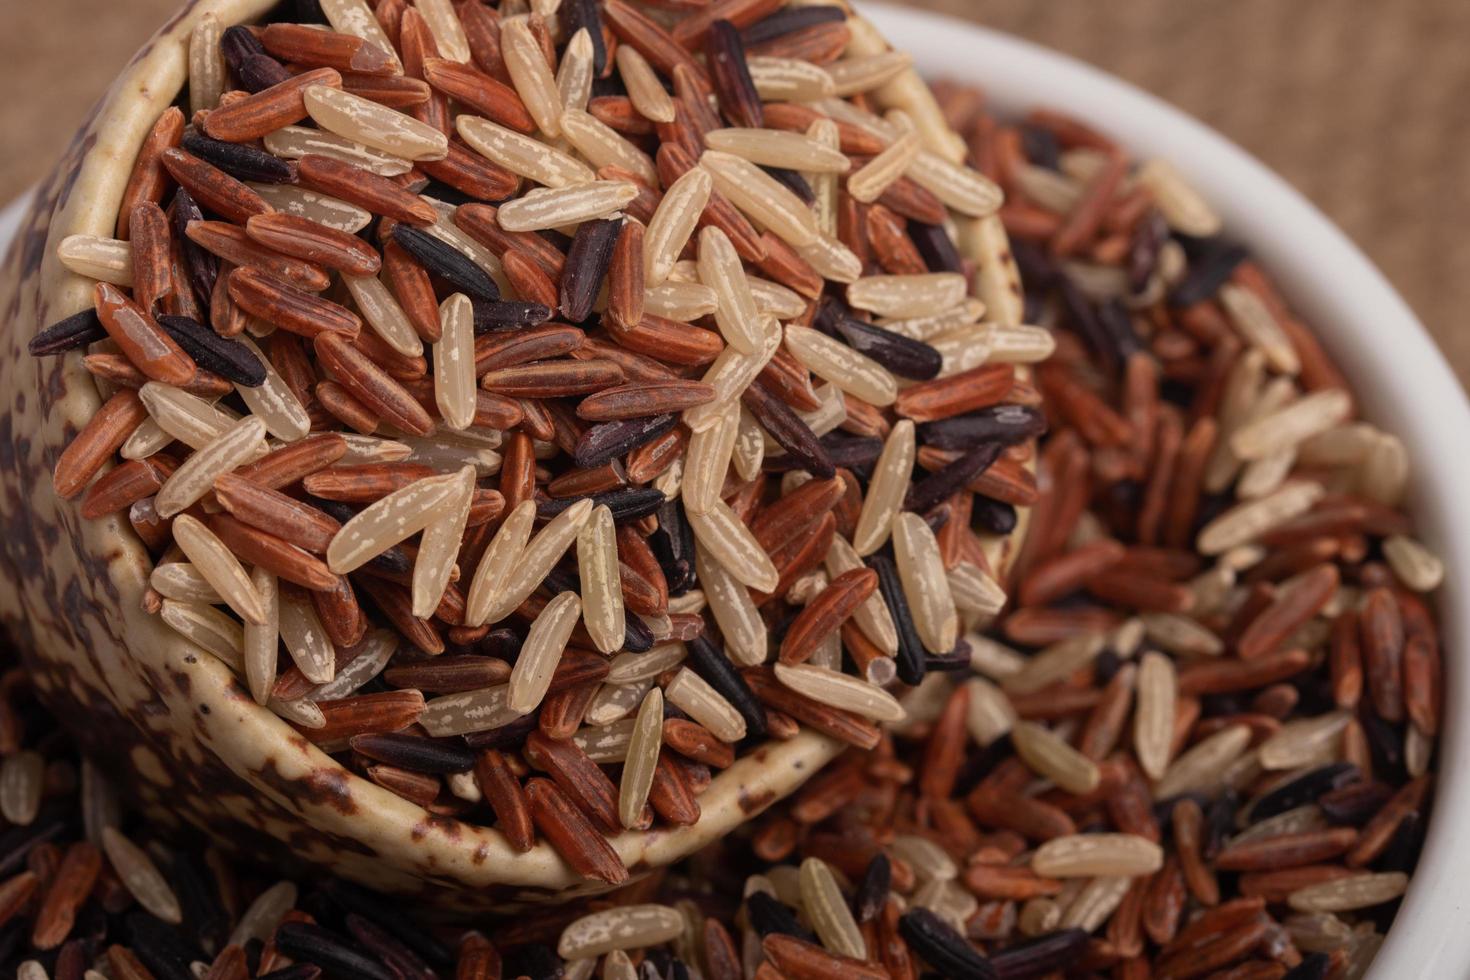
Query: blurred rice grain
1359, 104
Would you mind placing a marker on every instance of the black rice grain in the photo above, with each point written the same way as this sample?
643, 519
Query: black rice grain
446, 262
227, 358
586, 267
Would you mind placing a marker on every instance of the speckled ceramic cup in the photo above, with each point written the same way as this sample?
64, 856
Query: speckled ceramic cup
169, 722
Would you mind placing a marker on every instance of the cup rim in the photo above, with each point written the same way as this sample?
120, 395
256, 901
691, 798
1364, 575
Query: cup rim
1344, 296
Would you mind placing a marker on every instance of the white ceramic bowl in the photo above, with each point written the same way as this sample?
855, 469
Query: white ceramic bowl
1402, 378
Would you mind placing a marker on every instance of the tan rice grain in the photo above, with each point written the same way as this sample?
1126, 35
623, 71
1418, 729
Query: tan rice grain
597, 564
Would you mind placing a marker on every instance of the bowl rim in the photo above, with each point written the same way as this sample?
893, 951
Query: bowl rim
1343, 295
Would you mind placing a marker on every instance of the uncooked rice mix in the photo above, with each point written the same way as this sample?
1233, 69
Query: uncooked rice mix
541, 408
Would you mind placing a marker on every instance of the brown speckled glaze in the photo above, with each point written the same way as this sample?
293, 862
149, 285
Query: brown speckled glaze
169, 721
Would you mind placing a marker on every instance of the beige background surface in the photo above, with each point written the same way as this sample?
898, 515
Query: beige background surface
1360, 103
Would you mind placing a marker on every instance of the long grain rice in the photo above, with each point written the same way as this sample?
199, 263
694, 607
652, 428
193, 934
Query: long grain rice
541, 652
869, 182
731, 543
386, 522
181, 580
440, 544
603, 146
789, 80
95, 257
141, 877
921, 570
380, 310
614, 702
735, 307
734, 611
1090, 855
707, 460
260, 643
538, 558
597, 564
355, 17
855, 373
764, 200
373, 654
523, 155
1050, 757
826, 907
864, 73
731, 373
206, 64
990, 713
306, 639
555, 207
1347, 894
872, 616
641, 759
445, 26
472, 711
1414, 564
530, 74
841, 691
574, 76
295, 142
1199, 768
454, 362
777, 148
624, 927
361, 120
207, 628
232, 448
644, 88
219, 567
273, 401
1056, 662
1248, 520
691, 694
923, 294
673, 221
1153, 719
1182, 206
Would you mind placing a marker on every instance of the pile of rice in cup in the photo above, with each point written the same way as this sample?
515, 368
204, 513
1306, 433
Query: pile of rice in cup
581, 395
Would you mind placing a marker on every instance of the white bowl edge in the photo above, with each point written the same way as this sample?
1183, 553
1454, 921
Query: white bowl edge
1366, 326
